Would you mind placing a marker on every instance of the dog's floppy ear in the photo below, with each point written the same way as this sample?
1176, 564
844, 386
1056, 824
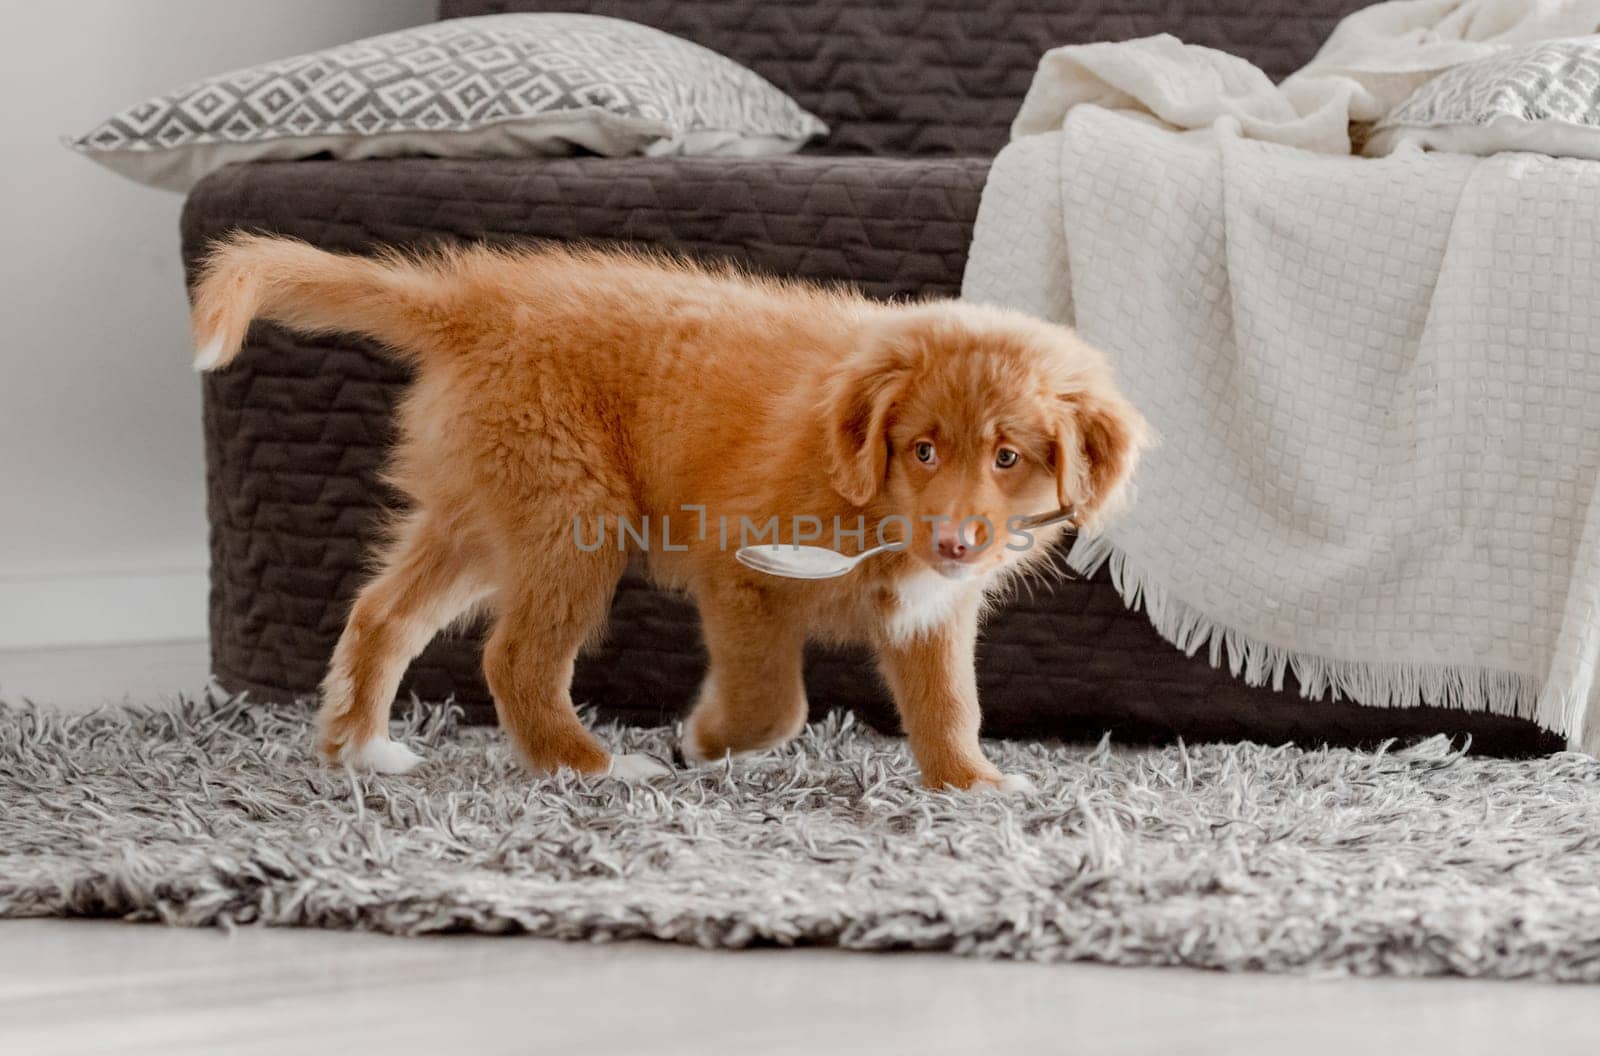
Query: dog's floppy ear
856, 401
1099, 437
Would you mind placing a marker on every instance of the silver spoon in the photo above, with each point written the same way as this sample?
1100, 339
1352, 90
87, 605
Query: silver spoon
793, 561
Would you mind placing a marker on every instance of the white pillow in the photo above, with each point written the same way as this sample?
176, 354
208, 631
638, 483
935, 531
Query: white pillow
1544, 99
496, 86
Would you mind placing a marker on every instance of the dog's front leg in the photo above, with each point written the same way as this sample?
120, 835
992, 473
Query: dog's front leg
932, 673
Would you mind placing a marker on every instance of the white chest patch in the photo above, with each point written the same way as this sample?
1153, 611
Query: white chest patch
924, 600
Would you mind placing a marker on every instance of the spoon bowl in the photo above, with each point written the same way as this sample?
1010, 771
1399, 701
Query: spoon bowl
793, 561
797, 562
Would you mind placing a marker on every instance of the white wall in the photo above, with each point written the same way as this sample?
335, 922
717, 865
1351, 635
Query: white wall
102, 517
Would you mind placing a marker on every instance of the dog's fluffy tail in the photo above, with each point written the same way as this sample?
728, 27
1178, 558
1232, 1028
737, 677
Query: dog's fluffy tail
402, 302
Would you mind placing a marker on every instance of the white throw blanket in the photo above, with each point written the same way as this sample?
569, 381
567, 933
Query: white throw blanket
1378, 380
1369, 64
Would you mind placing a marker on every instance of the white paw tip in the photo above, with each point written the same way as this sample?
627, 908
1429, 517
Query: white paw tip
1012, 784
690, 749
209, 355
381, 756
635, 768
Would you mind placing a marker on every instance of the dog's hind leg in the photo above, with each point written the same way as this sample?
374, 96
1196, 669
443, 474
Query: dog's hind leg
555, 600
428, 579
754, 694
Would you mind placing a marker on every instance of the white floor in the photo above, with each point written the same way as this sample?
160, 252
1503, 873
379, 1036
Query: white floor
105, 987
83, 679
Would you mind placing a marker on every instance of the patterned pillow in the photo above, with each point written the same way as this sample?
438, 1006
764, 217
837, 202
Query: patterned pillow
496, 86
1544, 99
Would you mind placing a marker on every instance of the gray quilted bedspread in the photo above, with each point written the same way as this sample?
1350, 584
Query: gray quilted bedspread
296, 433
942, 77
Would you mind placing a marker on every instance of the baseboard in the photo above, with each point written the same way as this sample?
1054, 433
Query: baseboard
102, 606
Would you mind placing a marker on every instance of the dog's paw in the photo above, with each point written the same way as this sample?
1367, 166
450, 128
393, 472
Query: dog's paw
380, 756
1012, 785
634, 768
998, 785
694, 753
988, 781
689, 747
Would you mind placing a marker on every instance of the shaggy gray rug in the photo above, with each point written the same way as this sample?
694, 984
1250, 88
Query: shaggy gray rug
1411, 862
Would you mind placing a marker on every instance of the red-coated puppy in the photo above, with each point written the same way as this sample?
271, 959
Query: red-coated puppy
573, 409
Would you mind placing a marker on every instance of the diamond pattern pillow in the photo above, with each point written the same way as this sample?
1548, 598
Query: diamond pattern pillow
1544, 98
497, 86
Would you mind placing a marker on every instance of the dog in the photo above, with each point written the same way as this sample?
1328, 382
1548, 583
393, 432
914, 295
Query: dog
560, 392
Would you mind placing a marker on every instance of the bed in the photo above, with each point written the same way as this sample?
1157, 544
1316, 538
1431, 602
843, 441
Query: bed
920, 95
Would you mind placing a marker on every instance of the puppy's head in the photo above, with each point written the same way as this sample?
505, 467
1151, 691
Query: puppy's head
959, 418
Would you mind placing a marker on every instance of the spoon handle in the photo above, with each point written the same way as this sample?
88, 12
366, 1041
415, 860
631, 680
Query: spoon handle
1065, 515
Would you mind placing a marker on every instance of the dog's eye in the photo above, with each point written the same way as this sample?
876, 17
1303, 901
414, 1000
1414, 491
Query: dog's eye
923, 451
1005, 458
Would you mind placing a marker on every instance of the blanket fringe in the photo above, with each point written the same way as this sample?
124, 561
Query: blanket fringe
1384, 685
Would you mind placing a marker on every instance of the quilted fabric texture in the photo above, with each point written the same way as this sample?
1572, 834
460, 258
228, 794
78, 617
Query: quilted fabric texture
942, 76
296, 432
